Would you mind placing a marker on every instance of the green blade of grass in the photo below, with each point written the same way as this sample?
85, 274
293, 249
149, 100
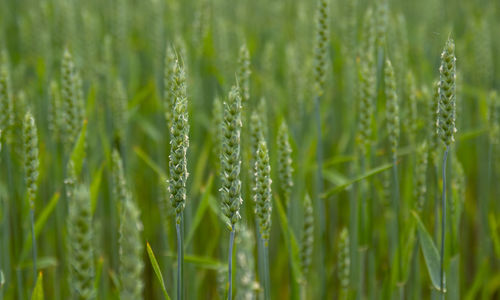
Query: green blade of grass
431, 254
40, 223
200, 211
154, 166
78, 153
156, 268
38, 290
347, 184
290, 241
94, 188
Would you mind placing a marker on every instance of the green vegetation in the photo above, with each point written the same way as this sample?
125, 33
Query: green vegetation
210, 149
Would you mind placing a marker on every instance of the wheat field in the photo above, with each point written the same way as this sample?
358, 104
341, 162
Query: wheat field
214, 149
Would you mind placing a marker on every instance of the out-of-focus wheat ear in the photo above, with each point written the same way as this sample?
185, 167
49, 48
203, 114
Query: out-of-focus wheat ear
344, 262
168, 73
131, 249
31, 167
381, 22
420, 191
54, 116
80, 244
392, 108
321, 47
70, 106
411, 120
244, 73
307, 238
119, 113
245, 274
493, 120
216, 129
6, 100
285, 169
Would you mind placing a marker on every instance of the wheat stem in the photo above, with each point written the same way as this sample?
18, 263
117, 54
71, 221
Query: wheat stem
443, 222
180, 258
230, 262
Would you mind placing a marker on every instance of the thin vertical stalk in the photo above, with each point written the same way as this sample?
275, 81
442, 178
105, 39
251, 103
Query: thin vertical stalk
230, 263
33, 240
319, 202
180, 259
443, 221
267, 281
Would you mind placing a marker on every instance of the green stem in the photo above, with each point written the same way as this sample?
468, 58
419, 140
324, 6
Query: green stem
33, 240
230, 263
443, 222
319, 202
267, 281
180, 259
396, 212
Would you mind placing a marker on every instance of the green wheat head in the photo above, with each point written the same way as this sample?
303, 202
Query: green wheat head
285, 169
54, 116
70, 98
447, 94
179, 143
420, 191
307, 238
168, 74
321, 47
230, 157
31, 158
344, 260
244, 73
131, 249
392, 107
262, 191
80, 243
6, 100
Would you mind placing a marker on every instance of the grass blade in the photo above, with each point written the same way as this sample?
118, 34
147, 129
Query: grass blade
156, 268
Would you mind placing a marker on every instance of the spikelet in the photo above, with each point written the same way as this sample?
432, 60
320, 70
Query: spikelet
31, 159
307, 238
262, 191
420, 191
344, 260
80, 243
285, 168
392, 107
244, 73
131, 248
179, 143
6, 101
168, 73
230, 157
493, 106
321, 47
447, 97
